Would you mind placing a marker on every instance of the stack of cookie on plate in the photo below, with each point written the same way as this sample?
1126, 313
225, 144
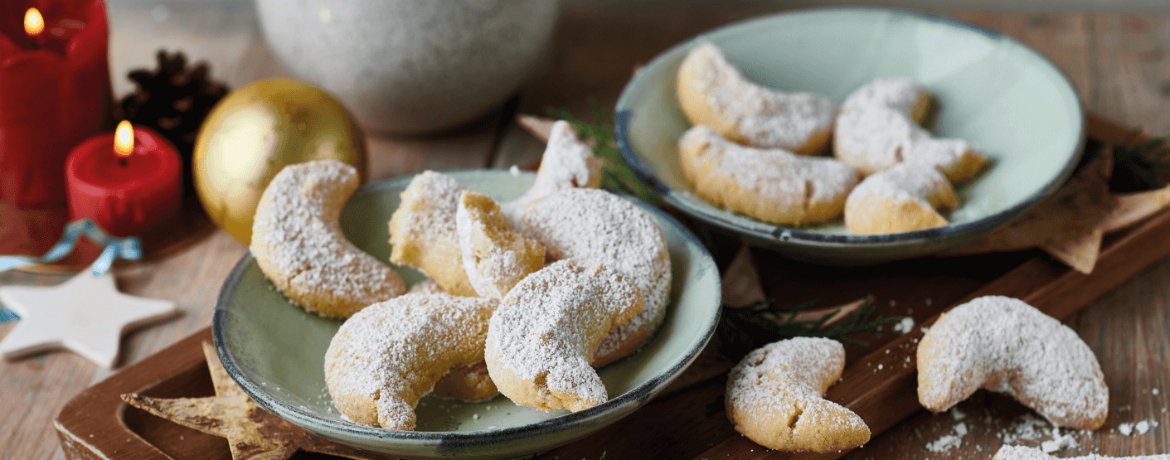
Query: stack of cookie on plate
525, 297
755, 151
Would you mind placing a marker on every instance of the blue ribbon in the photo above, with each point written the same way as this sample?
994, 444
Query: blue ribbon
113, 248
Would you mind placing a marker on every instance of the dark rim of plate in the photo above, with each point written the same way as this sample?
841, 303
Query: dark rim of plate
765, 231
455, 440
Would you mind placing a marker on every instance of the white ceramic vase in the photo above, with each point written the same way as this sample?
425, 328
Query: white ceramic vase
411, 66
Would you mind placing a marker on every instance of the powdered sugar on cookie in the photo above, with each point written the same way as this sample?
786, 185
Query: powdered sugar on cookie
904, 198
540, 342
907, 182
714, 93
772, 185
877, 129
387, 356
567, 163
1005, 345
298, 243
593, 227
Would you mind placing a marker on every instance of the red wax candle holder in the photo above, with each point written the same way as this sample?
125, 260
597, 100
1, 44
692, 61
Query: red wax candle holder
54, 91
124, 194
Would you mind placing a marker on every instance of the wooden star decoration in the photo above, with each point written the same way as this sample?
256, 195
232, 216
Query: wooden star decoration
252, 432
86, 314
1071, 224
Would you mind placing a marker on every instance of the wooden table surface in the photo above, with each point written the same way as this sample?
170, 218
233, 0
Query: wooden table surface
1119, 63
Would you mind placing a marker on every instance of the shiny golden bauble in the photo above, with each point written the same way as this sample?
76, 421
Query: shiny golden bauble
258, 129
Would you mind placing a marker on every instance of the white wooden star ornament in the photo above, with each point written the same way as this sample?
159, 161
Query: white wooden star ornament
86, 314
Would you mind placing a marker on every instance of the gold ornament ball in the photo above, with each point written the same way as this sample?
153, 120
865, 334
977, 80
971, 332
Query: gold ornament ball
257, 130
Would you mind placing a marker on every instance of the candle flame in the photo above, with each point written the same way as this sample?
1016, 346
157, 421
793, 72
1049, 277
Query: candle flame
34, 23
124, 139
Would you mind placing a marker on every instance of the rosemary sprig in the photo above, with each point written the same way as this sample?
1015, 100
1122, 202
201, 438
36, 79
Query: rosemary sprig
616, 175
1140, 166
743, 329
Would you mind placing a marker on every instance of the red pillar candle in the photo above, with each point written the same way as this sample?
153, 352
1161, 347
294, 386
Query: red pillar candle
54, 92
124, 188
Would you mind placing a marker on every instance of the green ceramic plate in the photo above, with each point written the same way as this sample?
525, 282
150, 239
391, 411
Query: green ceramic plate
990, 90
275, 350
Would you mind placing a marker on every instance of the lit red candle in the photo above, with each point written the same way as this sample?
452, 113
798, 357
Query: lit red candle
125, 181
54, 91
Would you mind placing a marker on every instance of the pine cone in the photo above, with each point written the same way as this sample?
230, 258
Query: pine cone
173, 100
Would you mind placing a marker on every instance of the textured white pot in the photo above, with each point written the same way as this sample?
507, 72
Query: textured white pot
411, 66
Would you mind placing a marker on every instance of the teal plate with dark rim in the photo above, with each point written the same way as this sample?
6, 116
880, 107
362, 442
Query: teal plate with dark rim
989, 89
275, 350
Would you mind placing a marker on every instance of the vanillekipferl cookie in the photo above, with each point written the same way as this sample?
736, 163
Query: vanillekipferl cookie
540, 342
775, 397
468, 383
495, 257
423, 231
901, 199
877, 128
390, 354
772, 185
298, 243
593, 227
1032, 453
1005, 345
714, 93
567, 163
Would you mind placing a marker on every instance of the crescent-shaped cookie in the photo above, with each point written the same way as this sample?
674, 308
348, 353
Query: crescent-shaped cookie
1032, 453
468, 383
771, 185
567, 163
901, 199
390, 354
541, 340
1005, 345
877, 128
298, 243
423, 233
775, 397
495, 257
594, 227
713, 92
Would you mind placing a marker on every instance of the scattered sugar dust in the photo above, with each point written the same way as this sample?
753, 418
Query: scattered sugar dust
905, 325
953, 440
1058, 442
1140, 427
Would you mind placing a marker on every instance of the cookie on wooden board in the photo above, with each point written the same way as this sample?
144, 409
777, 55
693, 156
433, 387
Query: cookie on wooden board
775, 397
1005, 345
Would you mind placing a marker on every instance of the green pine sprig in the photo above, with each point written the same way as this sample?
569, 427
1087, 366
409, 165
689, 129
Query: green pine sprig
1140, 166
746, 328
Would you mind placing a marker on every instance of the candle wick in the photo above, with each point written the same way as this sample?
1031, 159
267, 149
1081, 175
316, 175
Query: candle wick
122, 162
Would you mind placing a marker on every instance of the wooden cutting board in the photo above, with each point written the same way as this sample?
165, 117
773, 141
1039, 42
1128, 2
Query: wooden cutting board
688, 420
